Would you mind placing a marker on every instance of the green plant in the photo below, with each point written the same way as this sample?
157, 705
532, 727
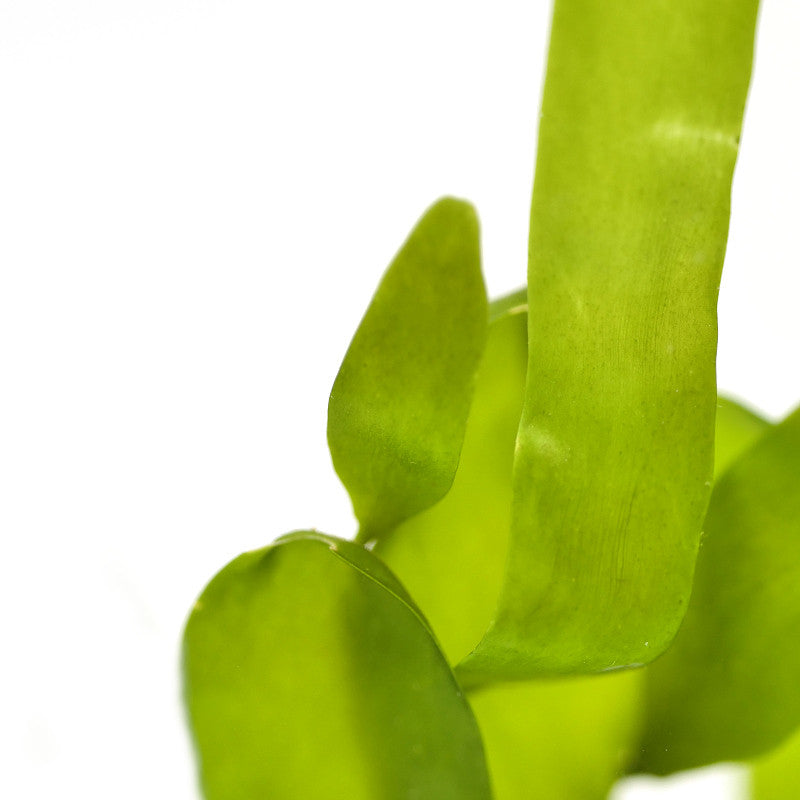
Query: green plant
532, 479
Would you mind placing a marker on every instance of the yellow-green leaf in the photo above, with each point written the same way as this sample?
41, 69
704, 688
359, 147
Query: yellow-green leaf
727, 688
638, 138
777, 775
737, 429
309, 673
399, 404
541, 737
561, 739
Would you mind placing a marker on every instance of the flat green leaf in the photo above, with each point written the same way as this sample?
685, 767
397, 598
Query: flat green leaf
640, 124
309, 673
727, 688
399, 404
777, 776
542, 738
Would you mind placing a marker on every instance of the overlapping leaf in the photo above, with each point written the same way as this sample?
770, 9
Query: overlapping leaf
309, 670
309, 673
451, 556
542, 738
727, 689
640, 123
737, 430
400, 401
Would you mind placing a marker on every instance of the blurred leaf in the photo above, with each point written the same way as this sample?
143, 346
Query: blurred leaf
777, 776
399, 404
509, 304
310, 674
638, 137
542, 738
561, 739
727, 689
737, 429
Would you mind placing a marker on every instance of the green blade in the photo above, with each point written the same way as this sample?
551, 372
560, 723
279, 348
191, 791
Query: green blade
640, 124
399, 404
542, 738
727, 689
310, 674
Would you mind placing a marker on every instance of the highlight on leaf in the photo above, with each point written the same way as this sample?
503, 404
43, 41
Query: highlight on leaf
451, 558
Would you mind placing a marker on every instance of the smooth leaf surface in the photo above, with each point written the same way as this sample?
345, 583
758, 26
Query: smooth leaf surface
561, 739
727, 688
309, 673
638, 138
542, 738
400, 402
777, 775
515, 302
737, 429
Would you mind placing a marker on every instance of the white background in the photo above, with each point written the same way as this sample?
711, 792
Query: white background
197, 200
